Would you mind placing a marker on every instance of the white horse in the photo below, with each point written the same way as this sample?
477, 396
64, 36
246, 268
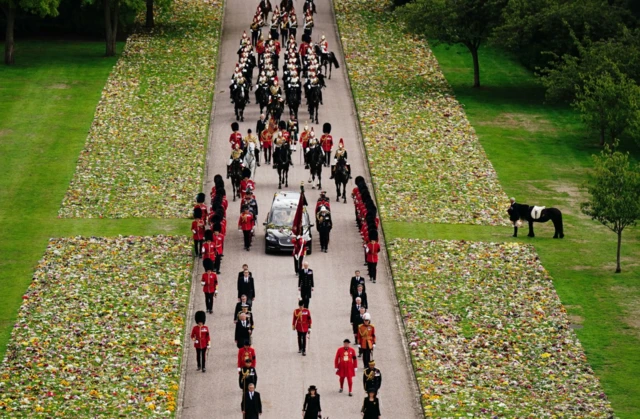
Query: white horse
249, 161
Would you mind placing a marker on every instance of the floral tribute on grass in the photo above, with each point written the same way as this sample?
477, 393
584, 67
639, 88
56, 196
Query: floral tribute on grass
488, 334
144, 153
425, 158
100, 330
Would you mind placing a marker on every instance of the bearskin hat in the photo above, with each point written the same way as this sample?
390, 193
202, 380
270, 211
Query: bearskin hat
326, 128
217, 227
217, 180
373, 235
200, 198
235, 126
282, 125
208, 264
208, 235
358, 180
246, 172
201, 317
220, 191
197, 213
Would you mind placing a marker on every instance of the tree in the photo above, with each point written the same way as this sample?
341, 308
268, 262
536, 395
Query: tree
464, 22
11, 8
608, 103
112, 10
614, 187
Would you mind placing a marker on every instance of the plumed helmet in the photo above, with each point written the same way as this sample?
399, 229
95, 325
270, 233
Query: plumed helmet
197, 213
341, 143
200, 198
246, 172
366, 316
201, 317
326, 128
274, 90
208, 265
208, 235
323, 37
235, 126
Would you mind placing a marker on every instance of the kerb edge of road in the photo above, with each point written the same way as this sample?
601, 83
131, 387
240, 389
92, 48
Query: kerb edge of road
386, 259
194, 274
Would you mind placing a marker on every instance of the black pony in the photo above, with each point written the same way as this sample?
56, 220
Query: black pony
275, 108
240, 98
327, 60
314, 98
293, 100
341, 177
523, 212
235, 172
262, 96
315, 158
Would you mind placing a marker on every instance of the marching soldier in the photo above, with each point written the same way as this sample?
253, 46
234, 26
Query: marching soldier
292, 127
266, 142
218, 244
201, 340
305, 284
308, 24
323, 200
293, 25
326, 142
304, 143
208, 248
245, 224
324, 227
200, 204
235, 138
366, 338
209, 283
247, 375
346, 365
372, 378
246, 352
299, 252
302, 325
372, 249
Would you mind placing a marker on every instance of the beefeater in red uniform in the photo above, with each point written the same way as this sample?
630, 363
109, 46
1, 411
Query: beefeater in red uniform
302, 325
201, 339
236, 136
346, 365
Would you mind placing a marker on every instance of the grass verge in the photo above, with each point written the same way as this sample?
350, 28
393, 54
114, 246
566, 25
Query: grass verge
100, 330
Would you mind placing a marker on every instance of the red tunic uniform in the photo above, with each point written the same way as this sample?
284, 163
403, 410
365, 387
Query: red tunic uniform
299, 248
346, 362
366, 336
200, 336
372, 250
235, 138
245, 222
218, 244
197, 228
301, 320
304, 139
210, 280
244, 184
326, 142
208, 250
203, 208
286, 136
266, 139
246, 353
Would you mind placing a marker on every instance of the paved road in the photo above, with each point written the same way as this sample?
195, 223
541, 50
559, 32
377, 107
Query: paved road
283, 374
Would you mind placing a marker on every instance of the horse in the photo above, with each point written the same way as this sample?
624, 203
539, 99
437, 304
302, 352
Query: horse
524, 212
293, 100
341, 177
282, 160
262, 96
314, 102
326, 60
315, 158
249, 161
275, 108
240, 100
235, 172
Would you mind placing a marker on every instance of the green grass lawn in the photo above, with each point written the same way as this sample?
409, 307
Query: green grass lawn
47, 102
542, 154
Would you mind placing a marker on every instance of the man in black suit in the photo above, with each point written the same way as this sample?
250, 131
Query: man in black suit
251, 404
363, 296
243, 330
243, 301
261, 125
355, 281
305, 283
245, 284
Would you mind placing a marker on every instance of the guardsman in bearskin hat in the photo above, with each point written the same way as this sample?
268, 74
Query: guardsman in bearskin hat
208, 248
366, 338
247, 375
346, 365
201, 340
218, 244
209, 283
372, 248
235, 138
197, 228
372, 378
246, 183
200, 198
326, 142
302, 325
